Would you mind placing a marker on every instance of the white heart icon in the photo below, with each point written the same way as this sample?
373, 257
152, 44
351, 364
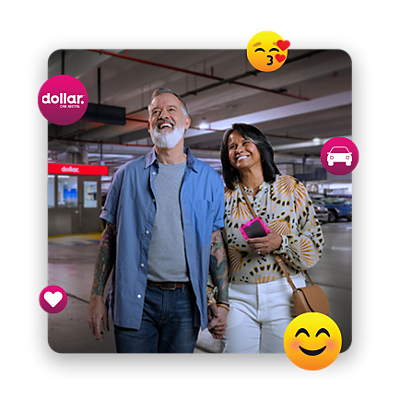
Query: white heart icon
53, 298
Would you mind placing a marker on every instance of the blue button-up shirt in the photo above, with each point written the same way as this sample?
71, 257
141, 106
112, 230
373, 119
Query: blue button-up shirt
131, 205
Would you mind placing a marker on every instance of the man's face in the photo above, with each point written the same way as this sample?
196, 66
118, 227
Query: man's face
167, 122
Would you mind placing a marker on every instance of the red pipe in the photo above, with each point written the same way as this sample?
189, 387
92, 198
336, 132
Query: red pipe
186, 71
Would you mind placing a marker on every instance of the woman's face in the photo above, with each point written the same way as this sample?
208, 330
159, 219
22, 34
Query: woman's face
243, 153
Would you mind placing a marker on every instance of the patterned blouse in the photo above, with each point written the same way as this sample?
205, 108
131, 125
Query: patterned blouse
286, 208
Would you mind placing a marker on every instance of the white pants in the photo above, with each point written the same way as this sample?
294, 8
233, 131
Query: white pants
259, 315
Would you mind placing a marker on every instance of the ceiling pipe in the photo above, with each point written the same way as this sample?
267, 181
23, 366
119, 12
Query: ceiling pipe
186, 71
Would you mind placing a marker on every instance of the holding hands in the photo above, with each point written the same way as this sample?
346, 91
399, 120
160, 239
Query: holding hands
217, 320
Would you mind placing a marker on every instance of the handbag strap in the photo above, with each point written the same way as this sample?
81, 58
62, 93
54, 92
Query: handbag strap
247, 200
289, 279
278, 258
287, 261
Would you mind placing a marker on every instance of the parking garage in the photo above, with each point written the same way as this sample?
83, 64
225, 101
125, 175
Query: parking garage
298, 108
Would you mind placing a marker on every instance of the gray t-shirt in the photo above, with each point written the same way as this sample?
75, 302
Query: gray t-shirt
167, 260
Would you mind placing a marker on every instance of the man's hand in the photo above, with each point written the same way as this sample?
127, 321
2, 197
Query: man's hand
97, 312
217, 324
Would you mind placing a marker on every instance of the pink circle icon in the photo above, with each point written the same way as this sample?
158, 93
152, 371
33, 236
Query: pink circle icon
53, 299
63, 100
339, 156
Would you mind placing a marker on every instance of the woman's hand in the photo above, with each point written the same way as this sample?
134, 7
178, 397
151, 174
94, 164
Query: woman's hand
265, 244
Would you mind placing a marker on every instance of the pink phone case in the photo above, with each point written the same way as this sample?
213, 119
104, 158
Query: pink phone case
250, 230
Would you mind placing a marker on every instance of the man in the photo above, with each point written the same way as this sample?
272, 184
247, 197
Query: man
163, 217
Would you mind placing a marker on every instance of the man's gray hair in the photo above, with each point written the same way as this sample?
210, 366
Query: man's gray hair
157, 92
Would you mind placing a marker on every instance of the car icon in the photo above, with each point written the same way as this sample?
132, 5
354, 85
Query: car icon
339, 154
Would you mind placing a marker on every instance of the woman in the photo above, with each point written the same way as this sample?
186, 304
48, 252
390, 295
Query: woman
259, 294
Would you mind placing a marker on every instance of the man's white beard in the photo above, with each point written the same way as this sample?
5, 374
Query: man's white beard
167, 140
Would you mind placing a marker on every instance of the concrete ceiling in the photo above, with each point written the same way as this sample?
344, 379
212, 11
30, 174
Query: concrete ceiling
298, 107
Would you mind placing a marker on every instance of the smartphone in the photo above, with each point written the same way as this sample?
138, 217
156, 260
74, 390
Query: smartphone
254, 228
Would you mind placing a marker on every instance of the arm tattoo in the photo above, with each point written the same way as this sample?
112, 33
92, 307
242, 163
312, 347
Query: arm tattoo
105, 259
219, 265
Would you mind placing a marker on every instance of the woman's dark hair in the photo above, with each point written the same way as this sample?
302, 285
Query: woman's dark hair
249, 132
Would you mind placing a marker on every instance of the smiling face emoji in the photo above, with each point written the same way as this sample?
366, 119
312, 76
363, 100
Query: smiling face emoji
312, 341
267, 51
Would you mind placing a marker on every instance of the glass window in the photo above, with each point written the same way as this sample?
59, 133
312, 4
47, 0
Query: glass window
67, 191
50, 191
90, 194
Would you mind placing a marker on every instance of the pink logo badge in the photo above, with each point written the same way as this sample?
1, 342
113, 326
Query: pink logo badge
63, 100
339, 156
53, 299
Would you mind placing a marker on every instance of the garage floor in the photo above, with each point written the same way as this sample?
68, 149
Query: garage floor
71, 264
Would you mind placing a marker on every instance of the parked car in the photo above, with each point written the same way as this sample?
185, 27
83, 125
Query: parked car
321, 212
337, 207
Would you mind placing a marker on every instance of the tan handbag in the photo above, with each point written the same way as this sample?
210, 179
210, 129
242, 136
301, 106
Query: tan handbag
306, 299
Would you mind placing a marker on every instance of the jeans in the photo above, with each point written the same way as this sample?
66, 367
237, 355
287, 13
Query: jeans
259, 315
167, 324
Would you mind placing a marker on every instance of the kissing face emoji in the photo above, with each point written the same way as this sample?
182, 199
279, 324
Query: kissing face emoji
267, 51
312, 341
